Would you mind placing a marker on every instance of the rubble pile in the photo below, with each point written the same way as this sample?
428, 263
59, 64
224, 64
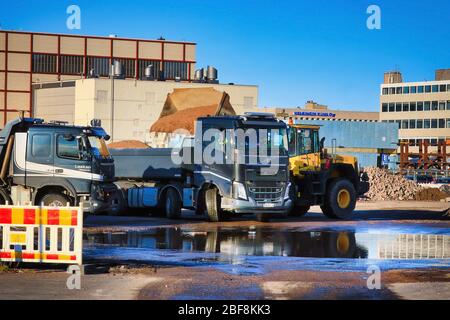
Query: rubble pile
128, 144
385, 185
431, 194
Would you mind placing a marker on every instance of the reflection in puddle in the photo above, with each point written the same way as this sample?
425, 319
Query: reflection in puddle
287, 243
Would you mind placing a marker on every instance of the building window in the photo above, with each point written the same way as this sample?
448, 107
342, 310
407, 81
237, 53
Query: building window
71, 65
434, 123
442, 88
448, 123
129, 66
405, 90
426, 124
448, 105
420, 106
173, 70
426, 106
441, 123
442, 105
435, 88
100, 66
399, 123
391, 107
398, 107
413, 90
434, 105
155, 68
405, 107
433, 142
405, 124
420, 89
399, 90
391, 90
384, 107
385, 91
412, 124
419, 124
44, 63
427, 89
412, 106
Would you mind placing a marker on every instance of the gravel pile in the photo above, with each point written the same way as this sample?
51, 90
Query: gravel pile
387, 186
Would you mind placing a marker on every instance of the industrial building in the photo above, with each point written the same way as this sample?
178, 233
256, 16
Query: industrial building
421, 109
315, 111
28, 58
134, 106
123, 82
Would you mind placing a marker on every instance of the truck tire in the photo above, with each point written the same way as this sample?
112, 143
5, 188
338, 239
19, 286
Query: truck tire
212, 199
340, 200
55, 200
172, 204
299, 211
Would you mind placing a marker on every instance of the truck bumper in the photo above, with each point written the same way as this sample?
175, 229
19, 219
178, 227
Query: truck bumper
104, 199
252, 207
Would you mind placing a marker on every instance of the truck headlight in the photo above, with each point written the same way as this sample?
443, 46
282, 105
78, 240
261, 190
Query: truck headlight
287, 193
239, 191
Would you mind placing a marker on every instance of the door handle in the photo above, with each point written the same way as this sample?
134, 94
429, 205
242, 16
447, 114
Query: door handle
59, 171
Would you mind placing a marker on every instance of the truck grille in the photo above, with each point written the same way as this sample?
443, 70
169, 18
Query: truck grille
268, 193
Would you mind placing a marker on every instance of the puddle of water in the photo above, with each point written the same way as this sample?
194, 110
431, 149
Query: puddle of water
240, 242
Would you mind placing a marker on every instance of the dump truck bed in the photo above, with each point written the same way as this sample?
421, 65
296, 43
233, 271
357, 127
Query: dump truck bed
145, 164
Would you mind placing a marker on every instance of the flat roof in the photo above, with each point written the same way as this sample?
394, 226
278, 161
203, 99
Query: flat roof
95, 37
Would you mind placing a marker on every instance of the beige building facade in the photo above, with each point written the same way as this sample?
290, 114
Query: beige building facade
28, 58
421, 109
137, 104
315, 111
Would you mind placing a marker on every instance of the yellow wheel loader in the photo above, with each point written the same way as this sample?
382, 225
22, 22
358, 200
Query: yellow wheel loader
319, 178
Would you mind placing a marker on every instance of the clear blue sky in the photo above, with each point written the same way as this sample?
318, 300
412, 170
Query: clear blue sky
294, 50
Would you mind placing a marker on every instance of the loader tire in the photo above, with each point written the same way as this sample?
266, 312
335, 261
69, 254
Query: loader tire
212, 199
340, 200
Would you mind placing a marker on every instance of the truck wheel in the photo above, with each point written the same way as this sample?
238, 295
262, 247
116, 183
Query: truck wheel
55, 200
340, 200
173, 204
213, 207
299, 211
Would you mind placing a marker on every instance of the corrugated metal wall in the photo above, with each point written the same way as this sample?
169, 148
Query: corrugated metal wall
353, 134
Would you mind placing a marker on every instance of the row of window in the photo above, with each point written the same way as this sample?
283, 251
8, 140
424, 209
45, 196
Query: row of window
74, 65
421, 123
417, 89
433, 142
415, 106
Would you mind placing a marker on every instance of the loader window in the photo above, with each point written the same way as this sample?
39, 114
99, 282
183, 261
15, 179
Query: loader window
303, 141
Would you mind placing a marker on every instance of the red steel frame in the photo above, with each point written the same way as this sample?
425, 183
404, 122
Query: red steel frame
111, 56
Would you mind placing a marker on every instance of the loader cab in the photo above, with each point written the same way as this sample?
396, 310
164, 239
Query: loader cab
304, 147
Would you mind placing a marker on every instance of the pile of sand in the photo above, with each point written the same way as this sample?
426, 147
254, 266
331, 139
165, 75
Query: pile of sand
128, 144
385, 185
184, 119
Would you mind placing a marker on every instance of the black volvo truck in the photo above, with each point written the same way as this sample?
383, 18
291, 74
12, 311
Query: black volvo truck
223, 169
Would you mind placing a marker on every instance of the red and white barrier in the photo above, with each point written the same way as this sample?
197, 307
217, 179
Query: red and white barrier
41, 234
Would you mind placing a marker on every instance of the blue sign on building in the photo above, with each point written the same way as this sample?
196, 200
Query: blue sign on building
315, 114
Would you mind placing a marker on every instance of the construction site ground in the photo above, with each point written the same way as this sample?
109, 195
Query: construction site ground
296, 258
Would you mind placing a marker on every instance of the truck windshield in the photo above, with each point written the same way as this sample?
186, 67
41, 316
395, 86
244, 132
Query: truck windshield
99, 147
267, 140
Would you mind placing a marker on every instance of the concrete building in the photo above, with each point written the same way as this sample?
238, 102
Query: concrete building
315, 111
137, 104
421, 109
28, 58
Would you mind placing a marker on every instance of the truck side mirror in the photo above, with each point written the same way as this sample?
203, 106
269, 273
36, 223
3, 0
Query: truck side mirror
106, 138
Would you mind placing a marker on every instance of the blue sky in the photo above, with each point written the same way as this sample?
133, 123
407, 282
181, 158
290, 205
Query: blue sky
294, 50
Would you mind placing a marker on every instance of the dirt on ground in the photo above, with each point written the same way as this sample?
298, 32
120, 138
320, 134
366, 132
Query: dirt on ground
431, 194
128, 144
385, 185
